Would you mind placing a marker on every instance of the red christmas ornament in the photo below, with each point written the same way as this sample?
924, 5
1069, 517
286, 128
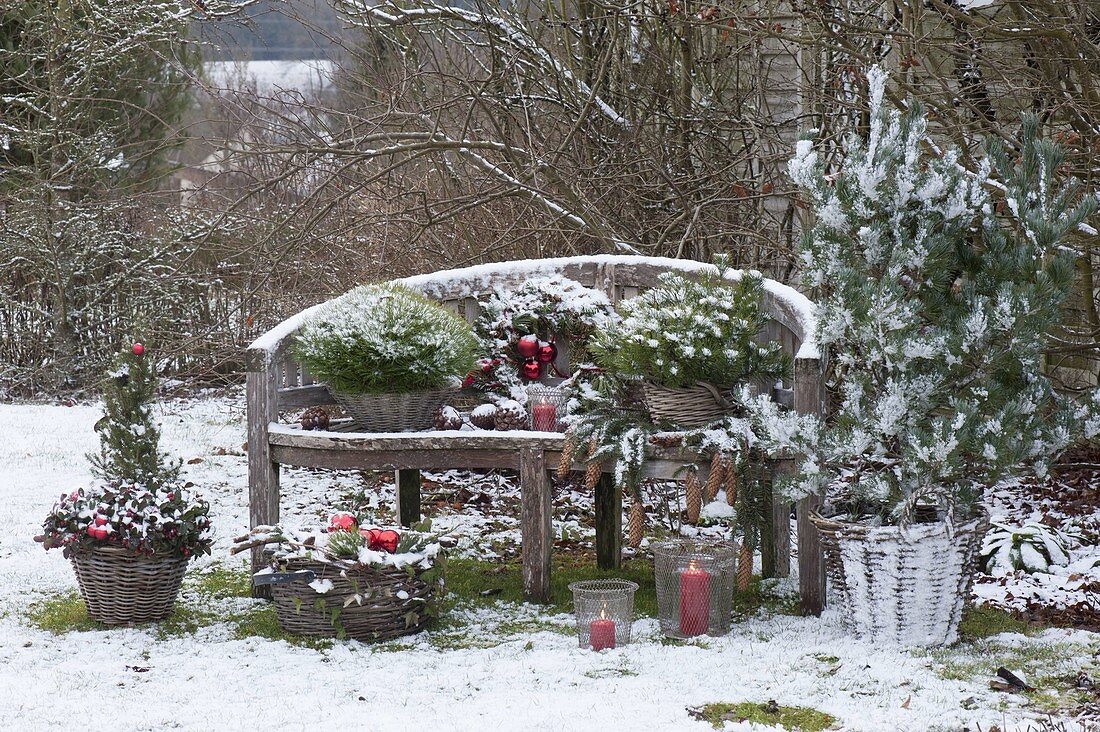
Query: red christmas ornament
137, 349
342, 522
528, 346
381, 539
547, 352
531, 369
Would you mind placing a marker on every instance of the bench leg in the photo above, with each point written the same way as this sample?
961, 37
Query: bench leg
535, 525
407, 494
781, 533
811, 565
609, 524
263, 472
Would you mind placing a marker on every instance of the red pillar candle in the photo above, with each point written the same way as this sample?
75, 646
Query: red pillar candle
544, 417
601, 634
694, 600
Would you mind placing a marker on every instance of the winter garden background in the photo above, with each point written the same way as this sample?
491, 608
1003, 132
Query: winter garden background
185, 175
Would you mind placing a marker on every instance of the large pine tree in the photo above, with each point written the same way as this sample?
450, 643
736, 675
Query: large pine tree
937, 289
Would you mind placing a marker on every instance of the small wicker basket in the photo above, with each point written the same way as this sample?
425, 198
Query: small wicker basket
692, 406
403, 412
395, 602
120, 587
902, 585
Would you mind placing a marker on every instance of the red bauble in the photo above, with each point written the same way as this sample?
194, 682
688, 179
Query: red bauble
547, 352
528, 346
342, 522
137, 349
381, 539
531, 369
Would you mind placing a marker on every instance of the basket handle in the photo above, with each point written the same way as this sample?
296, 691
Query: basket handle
718, 397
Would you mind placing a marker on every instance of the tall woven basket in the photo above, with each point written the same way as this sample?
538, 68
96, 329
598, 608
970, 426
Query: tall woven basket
121, 588
405, 412
395, 603
903, 586
692, 406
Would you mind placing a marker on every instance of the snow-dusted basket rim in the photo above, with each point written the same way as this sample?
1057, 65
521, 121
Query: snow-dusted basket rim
785, 304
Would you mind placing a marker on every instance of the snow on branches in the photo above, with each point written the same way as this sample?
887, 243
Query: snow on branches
935, 300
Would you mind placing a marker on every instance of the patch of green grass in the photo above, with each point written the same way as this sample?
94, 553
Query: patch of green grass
260, 622
981, 621
758, 598
803, 719
61, 614
219, 581
66, 613
1050, 668
467, 579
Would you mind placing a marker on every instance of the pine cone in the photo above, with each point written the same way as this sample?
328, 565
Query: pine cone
484, 416
314, 418
447, 418
693, 494
731, 483
593, 468
566, 462
636, 526
744, 567
510, 416
716, 477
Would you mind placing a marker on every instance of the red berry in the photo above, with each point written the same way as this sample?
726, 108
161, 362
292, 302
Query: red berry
100, 521
137, 349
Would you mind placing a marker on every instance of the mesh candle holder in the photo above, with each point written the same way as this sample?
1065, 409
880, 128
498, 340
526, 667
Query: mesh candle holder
695, 583
547, 405
604, 609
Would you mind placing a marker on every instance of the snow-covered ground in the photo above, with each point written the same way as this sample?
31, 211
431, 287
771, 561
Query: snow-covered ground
534, 678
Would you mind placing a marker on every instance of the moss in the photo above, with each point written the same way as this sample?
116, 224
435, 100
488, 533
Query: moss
803, 719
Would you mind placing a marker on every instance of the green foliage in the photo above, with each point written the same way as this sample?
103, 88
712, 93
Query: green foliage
167, 520
128, 436
386, 338
687, 330
933, 311
797, 719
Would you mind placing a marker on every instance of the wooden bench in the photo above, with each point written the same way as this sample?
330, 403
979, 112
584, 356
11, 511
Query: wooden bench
276, 383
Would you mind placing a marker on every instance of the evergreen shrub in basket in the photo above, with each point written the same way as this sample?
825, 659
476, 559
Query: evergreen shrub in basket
691, 340
382, 340
131, 533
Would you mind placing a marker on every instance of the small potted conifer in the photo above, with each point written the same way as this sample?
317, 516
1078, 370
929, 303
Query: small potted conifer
935, 299
131, 533
390, 357
691, 340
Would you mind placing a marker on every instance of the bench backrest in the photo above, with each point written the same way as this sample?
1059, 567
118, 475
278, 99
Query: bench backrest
619, 277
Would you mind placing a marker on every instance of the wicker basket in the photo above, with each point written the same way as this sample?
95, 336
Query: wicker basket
692, 406
405, 412
383, 614
122, 588
904, 586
